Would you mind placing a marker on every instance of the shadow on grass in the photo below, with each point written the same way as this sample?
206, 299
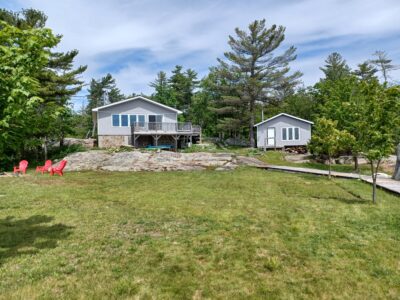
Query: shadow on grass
28, 236
354, 200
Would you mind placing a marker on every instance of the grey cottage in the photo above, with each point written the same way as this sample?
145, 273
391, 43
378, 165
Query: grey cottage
283, 130
142, 122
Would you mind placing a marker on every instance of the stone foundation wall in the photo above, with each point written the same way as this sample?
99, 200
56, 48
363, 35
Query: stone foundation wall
107, 141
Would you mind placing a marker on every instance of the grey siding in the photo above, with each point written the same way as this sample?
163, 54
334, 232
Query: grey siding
282, 122
135, 107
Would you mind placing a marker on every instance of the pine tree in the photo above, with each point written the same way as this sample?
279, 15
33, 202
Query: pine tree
257, 74
183, 85
335, 67
365, 71
191, 84
102, 92
384, 64
178, 85
163, 90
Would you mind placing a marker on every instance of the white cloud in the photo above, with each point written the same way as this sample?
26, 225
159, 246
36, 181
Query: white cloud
194, 33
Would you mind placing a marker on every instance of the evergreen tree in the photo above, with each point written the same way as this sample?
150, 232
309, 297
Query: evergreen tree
365, 71
178, 84
183, 85
101, 92
191, 84
257, 74
335, 67
384, 64
163, 90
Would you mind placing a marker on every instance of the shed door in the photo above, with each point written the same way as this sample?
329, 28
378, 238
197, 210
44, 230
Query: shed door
271, 136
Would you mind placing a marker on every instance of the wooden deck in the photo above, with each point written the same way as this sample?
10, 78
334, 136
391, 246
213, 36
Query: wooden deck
384, 183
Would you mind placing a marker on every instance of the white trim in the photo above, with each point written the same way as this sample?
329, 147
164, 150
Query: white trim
287, 134
283, 114
136, 98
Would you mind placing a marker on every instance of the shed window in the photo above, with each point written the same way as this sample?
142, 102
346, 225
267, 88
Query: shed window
290, 134
284, 134
124, 120
296, 133
115, 120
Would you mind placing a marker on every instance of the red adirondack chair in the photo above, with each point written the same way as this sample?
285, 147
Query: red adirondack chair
45, 168
23, 165
59, 169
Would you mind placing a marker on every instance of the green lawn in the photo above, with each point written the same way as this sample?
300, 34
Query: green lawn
243, 234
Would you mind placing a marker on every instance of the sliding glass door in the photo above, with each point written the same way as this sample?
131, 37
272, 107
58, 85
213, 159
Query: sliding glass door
155, 122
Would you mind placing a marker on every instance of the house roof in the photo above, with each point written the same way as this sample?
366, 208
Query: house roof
133, 99
283, 114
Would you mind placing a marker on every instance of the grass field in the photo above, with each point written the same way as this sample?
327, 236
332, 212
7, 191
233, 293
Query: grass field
181, 235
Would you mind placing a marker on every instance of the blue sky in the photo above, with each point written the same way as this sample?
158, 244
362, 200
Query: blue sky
134, 39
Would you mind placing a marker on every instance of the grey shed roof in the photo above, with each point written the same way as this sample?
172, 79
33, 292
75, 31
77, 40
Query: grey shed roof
283, 114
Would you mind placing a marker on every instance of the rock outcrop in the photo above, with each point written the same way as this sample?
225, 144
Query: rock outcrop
149, 161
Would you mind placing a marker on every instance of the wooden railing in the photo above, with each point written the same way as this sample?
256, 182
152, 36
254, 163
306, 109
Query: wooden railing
163, 127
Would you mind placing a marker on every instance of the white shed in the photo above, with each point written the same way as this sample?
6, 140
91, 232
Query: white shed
283, 130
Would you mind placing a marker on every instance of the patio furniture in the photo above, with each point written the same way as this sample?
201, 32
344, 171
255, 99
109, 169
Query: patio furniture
45, 168
59, 169
23, 165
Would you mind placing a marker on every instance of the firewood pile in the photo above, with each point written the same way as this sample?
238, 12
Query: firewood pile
296, 150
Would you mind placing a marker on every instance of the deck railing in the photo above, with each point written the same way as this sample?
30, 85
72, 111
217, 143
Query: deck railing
163, 127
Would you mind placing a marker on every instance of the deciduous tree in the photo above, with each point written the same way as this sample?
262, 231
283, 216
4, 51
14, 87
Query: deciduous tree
380, 110
328, 140
23, 54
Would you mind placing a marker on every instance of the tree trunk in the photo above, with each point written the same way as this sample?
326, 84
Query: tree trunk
251, 129
374, 171
330, 167
396, 174
45, 148
374, 189
356, 165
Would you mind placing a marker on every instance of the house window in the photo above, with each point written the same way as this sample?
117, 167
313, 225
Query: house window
141, 120
124, 120
115, 120
132, 119
155, 118
290, 134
